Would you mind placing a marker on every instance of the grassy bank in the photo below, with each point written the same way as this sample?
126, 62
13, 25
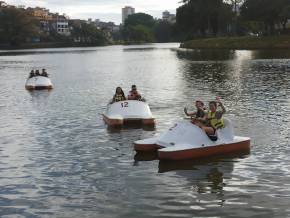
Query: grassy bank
246, 42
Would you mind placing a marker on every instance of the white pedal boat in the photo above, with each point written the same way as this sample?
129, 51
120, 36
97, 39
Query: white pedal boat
38, 83
122, 112
187, 141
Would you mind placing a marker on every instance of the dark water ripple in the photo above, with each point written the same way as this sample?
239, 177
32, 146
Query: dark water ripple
58, 159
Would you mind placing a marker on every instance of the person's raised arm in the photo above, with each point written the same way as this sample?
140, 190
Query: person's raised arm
189, 114
221, 105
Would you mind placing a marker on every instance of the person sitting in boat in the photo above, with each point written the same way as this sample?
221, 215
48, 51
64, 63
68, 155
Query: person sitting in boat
134, 94
31, 74
119, 95
200, 113
214, 117
37, 73
44, 73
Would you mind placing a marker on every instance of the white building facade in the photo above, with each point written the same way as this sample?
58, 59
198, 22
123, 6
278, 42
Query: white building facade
167, 16
126, 11
62, 26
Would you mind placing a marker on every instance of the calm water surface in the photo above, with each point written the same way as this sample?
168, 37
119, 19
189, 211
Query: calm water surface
58, 159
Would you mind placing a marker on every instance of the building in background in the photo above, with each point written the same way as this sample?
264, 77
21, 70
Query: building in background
3, 4
39, 13
43, 16
126, 11
167, 16
109, 28
106, 26
60, 24
90, 20
50, 21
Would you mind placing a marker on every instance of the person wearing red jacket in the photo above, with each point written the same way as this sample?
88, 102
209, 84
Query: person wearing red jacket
134, 94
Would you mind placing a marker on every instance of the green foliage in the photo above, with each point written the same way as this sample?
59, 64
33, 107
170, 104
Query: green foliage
138, 33
267, 11
142, 27
253, 26
140, 19
163, 31
284, 15
204, 17
16, 26
139, 28
246, 42
88, 33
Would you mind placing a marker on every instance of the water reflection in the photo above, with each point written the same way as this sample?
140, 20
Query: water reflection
204, 179
45, 51
226, 54
205, 54
139, 49
146, 156
166, 166
40, 94
271, 54
130, 126
59, 160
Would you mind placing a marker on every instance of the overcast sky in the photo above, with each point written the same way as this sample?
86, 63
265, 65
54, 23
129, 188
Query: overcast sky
106, 10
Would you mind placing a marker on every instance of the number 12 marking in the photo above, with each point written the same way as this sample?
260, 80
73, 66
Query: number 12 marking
125, 104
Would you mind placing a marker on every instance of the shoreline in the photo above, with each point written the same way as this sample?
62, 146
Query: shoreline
239, 43
4, 47
48, 45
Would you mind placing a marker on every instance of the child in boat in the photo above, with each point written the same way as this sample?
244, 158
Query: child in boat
134, 94
44, 73
37, 73
200, 113
214, 117
31, 74
119, 95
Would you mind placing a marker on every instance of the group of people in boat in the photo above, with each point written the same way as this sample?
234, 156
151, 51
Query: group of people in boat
37, 73
133, 95
208, 120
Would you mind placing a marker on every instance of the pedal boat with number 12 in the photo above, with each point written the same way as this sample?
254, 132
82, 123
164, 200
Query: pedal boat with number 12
129, 111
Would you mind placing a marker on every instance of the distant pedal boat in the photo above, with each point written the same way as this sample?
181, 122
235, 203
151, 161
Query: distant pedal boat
187, 141
38, 83
123, 112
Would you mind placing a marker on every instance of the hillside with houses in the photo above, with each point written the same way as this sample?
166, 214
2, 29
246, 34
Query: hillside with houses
22, 24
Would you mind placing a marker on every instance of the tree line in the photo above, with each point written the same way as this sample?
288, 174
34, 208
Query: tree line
194, 18
17, 26
141, 27
232, 17
210, 18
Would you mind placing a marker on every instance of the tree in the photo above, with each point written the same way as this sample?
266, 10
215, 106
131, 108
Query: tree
235, 4
88, 33
138, 33
235, 7
267, 11
16, 26
140, 19
139, 28
163, 31
204, 17
285, 16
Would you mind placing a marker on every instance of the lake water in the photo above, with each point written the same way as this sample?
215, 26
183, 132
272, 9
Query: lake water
58, 159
